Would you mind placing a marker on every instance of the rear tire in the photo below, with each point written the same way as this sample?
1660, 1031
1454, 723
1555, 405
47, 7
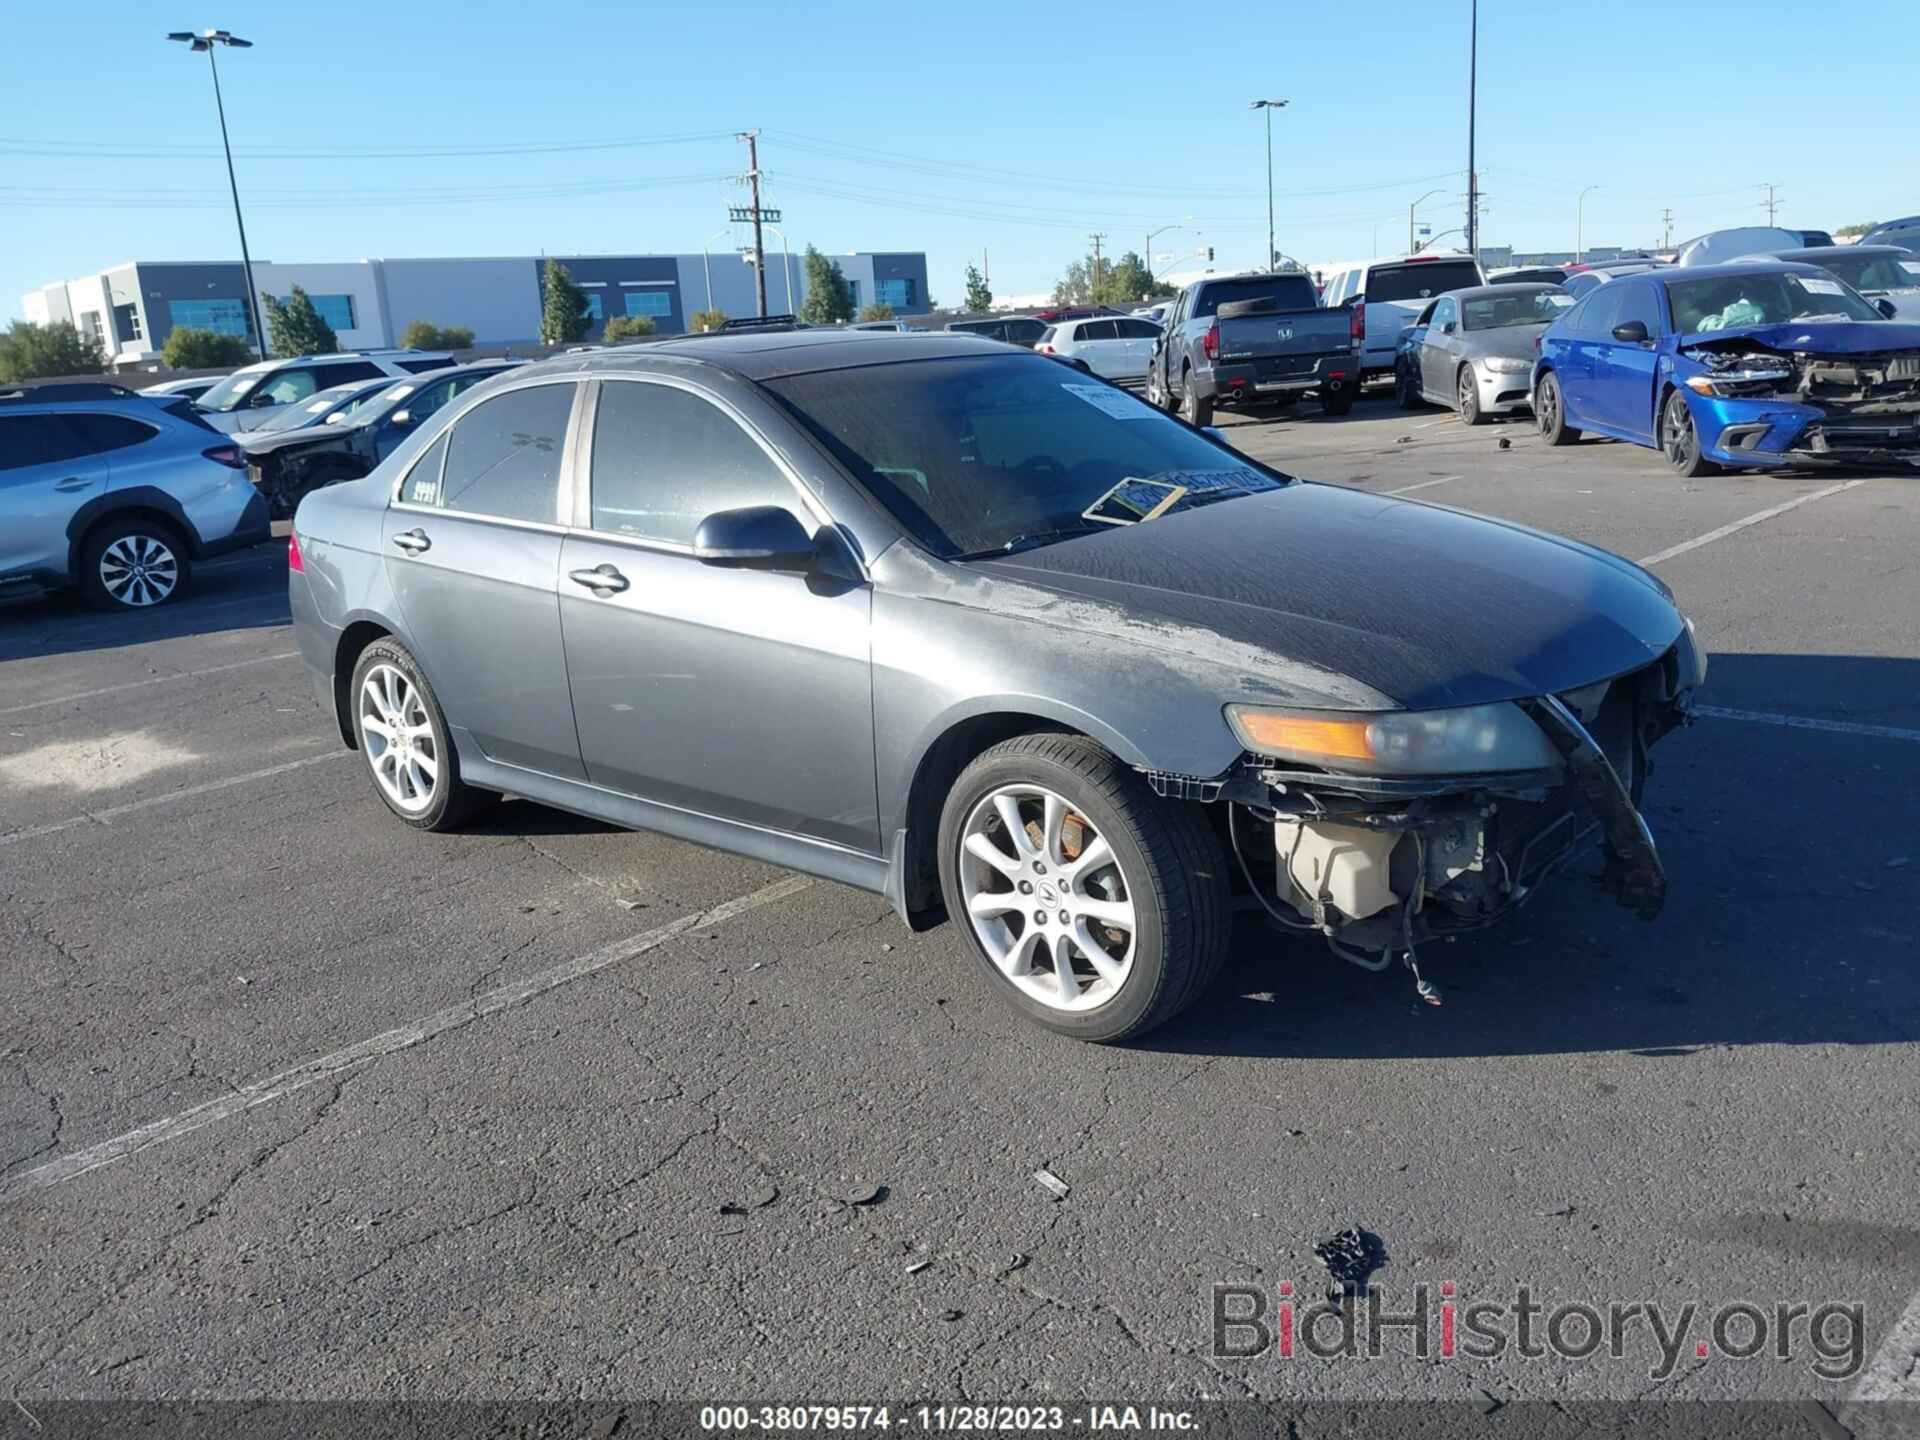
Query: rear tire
1163, 867
402, 733
1195, 409
134, 562
1405, 393
1550, 411
1337, 402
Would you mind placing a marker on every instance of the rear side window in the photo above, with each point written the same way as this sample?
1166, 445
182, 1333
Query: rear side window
346, 372
1024, 332
1420, 280
1097, 330
1136, 329
665, 459
503, 456
422, 485
99, 433
23, 441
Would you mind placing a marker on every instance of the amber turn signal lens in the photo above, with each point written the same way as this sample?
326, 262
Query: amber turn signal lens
1270, 733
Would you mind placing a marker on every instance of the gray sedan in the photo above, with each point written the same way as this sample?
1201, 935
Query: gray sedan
999, 641
1478, 348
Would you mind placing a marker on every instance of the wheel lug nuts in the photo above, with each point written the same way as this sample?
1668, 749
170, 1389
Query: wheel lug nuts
1065, 919
1039, 868
1039, 917
1026, 887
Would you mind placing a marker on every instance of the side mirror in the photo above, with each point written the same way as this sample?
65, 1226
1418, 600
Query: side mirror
401, 418
1887, 308
1634, 332
1447, 329
759, 537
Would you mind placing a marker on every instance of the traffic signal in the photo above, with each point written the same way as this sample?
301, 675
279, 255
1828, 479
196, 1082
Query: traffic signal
1209, 252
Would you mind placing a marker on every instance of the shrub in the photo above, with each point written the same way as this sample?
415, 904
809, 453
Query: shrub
628, 327
190, 349
424, 335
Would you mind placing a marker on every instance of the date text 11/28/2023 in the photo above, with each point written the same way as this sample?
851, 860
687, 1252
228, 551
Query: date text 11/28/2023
943, 1419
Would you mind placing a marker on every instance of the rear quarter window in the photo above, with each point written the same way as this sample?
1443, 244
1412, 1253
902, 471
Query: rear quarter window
1420, 281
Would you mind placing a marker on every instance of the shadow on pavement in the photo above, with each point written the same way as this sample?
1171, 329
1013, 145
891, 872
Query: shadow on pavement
244, 591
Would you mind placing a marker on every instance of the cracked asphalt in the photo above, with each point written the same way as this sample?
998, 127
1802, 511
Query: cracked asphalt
711, 1167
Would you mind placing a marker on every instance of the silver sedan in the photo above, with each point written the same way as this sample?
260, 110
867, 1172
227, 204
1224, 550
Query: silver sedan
1478, 348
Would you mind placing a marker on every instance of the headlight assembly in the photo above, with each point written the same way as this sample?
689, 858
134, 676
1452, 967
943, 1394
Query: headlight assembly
1751, 381
1401, 742
1506, 365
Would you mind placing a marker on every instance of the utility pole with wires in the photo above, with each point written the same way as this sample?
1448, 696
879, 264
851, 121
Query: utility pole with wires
1473, 110
1666, 229
1093, 280
1772, 202
758, 214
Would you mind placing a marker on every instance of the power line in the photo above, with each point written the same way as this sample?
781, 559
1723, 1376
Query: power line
81, 150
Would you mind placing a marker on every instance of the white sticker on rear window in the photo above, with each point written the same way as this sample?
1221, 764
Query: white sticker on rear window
1116, 403
1817, 286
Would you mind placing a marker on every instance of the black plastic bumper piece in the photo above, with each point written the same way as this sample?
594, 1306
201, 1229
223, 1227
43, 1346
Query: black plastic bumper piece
1634, 873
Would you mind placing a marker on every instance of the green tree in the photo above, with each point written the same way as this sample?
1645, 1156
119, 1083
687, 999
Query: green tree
294, 327
1855, 230
1124, 281
979, 297
829, 298
422, 335
629, 327
564, 319
876, 312
706, 320
33, 352
191, 349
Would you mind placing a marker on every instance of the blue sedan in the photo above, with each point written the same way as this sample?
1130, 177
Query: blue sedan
1747, 365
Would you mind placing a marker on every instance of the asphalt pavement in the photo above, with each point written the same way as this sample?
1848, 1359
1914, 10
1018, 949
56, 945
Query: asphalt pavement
298, 1103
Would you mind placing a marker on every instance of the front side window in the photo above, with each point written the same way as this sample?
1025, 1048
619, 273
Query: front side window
503, 456
1639, 302
988, 454
1443, 314
1097, 330
1767, 297
664, 459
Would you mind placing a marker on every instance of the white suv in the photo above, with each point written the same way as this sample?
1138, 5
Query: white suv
256, 392
1392, 294
1114, 347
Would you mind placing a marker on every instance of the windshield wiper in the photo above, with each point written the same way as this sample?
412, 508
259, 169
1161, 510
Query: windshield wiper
1032, 539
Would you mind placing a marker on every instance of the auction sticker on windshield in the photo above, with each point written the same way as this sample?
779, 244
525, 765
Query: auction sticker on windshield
1818, 286
1116, 403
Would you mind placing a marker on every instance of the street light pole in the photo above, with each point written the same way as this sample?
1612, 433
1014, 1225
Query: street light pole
1412, 248
1580, 225
1269, 106
1473, 109
786, 265
1161, 231
206, 40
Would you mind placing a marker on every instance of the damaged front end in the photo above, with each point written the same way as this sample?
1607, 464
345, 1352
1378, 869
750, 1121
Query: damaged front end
1379, 863
1855, 409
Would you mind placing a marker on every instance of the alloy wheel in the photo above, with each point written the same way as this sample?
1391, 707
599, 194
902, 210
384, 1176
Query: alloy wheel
1677, 435
139, 570
1547, 406
398, 738
1046, 898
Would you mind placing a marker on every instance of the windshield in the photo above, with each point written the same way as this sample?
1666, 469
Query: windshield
356, 409
1498, 312
310, 412
990, 454
1767, 297
1421, 280
1875, 272
228, 394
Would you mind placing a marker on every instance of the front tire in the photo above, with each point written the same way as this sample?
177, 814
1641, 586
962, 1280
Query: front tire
402, 732
1680, 440
134, 563
1550, 411
1195, 409
1405, 392
1468, 391
1097, 909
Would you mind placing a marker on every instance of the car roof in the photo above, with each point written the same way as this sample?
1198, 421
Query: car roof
1737, 269
1817, 253
769, 354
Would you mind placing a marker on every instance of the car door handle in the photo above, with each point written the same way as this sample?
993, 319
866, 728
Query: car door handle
72, 482
603, 580
413, 541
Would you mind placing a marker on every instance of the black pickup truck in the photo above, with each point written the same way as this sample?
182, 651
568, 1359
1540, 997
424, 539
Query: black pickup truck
1253, 339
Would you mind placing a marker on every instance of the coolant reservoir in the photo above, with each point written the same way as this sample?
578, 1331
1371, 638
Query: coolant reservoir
1345, 864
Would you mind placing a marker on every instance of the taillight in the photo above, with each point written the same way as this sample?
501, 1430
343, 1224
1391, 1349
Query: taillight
1046, 350
1212, 343
231, 456
1357, 324
294, 562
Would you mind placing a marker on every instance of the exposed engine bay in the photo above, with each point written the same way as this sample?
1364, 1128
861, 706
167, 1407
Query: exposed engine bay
1379, 866
1872, 400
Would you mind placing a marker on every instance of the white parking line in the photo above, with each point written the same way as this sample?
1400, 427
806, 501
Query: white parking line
1754, 519
150, 680
454, 1017
115, 812
1409, 489
1809, 722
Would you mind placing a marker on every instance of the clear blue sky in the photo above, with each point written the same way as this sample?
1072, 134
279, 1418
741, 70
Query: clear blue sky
1013, 128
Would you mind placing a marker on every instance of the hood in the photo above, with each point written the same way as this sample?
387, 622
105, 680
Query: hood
1428, 606
1816, 337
